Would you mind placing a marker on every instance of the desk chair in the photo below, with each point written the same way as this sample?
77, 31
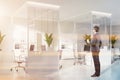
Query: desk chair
60, 57
19, 59
116, 54
79, 57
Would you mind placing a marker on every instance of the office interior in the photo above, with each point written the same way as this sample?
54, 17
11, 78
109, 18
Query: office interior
45, 40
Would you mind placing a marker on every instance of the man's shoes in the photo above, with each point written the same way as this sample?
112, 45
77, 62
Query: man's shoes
95, 75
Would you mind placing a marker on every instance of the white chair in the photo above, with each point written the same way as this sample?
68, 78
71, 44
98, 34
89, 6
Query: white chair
79, 58
19, 59
117, 54
60, 57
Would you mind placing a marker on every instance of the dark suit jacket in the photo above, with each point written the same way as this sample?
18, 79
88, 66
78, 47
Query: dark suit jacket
95, 43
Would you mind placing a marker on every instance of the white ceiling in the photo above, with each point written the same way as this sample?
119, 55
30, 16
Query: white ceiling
69, 8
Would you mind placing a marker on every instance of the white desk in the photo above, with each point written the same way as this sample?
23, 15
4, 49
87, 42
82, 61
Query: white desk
115, 54
42, 64
104, 56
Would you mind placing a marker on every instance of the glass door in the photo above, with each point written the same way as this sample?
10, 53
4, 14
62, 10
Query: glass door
103, 20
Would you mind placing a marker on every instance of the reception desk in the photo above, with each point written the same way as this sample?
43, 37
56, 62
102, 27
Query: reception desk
42, 64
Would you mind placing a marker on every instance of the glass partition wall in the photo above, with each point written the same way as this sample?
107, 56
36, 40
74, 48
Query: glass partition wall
42, 20
20, 35
103, 20
36, 33
35, 20
74, 30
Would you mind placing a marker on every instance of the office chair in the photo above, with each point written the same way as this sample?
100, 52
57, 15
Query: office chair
19, 59
60, 58
116, 53
79, 57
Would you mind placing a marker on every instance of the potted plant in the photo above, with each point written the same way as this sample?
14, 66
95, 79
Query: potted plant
1, 38
87, 39
48, 38
113, 40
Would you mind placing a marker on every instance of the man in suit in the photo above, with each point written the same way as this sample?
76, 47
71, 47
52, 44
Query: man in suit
95, 49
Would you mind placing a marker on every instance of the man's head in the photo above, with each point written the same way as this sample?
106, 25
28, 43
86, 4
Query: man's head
96, 28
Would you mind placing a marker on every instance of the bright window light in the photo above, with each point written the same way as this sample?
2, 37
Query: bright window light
3, 10
18, 33
43, 4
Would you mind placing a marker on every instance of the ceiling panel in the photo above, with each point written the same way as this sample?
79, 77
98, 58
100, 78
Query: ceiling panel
69, 8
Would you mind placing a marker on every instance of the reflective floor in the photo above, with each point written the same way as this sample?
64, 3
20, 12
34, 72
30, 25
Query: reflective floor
112, 73
74, 72
83, 73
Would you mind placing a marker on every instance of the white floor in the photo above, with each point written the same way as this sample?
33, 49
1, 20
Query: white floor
68, 72
76, 72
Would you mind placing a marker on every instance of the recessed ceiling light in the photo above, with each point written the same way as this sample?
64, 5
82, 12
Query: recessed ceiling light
101, 13
43, 4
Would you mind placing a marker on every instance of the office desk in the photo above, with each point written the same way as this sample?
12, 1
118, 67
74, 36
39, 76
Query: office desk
42, 64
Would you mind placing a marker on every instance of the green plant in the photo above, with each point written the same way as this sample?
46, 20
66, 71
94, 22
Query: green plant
113, 39
87, 38
49, 39
1, 37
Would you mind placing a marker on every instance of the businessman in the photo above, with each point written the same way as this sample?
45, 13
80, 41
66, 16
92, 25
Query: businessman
95, 49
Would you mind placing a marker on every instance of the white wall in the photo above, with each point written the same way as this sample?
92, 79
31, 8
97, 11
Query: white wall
6, 55
7, 29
